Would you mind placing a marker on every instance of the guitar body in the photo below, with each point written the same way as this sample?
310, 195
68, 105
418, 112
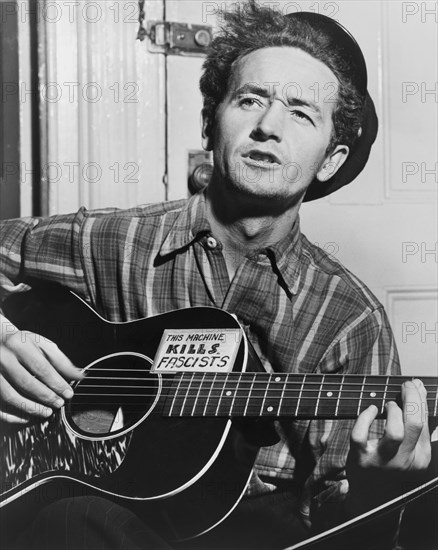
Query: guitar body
123, 448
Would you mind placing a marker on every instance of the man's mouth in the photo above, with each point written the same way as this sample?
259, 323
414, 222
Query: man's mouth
262, 157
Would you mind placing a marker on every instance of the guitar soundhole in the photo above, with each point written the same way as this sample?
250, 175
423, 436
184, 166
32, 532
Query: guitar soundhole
117, 393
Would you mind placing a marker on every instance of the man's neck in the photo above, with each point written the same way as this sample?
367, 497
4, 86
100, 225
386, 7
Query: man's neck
243, 224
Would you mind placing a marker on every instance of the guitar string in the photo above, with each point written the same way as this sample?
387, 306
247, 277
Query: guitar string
240, 387
261, 374
267, 384
270, 379
293, 387
199, 389
389, 396
258, 374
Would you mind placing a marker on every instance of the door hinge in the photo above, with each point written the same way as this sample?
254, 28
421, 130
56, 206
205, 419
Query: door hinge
178, 38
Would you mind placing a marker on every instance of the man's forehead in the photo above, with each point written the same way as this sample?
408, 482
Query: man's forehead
285, 62
287, 73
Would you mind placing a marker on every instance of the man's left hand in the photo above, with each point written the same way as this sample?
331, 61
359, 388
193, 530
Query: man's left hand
377, 468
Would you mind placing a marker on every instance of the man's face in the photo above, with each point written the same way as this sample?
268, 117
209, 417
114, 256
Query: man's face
271, 131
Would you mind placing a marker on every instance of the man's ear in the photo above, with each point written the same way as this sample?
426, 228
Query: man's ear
333, 162
207, 131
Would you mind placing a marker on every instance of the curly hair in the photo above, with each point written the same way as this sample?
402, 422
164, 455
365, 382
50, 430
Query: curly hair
252, 27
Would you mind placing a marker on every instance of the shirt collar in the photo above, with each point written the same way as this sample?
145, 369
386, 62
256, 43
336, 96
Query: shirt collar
287, 256
191, 223
188, 225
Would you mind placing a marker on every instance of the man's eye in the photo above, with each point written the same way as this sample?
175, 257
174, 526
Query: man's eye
249, 102
301, 116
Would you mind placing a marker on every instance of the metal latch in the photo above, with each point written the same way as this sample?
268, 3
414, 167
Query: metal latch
179, 38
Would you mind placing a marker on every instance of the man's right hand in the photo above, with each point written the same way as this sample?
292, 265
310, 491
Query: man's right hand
34, 375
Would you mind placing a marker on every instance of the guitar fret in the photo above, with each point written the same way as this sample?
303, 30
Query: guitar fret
300, 394
361, 396
175, 396
200, 398
235, 393
207, 399
187, 395
319, 395
278, 379
220, 396
245, 412
382, 408
339, 395
262, 406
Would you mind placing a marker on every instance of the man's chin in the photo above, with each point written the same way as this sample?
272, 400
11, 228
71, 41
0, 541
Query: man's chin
267, 191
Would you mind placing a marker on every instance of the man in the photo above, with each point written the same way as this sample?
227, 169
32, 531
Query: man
238, 246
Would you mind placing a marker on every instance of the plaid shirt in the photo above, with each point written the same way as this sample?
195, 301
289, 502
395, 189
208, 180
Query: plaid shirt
303, 311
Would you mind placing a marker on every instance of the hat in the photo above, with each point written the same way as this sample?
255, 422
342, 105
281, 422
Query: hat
359, 153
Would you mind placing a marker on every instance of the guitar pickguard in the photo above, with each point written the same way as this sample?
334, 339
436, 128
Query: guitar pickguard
50, 446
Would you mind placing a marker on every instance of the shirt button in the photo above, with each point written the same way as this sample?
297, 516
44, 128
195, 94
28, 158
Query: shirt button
211, 242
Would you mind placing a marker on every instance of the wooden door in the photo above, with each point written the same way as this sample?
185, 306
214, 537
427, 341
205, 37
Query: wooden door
383, 226
103, 99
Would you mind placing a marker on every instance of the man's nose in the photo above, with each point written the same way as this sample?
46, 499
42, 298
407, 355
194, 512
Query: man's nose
270, 124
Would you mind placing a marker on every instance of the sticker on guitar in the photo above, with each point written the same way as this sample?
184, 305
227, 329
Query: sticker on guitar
197, 350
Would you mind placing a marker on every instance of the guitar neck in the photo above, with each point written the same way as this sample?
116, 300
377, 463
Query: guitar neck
301, 396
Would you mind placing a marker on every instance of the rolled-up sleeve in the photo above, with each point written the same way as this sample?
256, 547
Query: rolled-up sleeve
47, 249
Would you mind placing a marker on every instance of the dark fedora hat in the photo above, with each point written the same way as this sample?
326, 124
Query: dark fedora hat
351, 53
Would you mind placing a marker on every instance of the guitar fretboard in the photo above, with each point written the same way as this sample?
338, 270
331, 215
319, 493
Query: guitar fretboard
286, 395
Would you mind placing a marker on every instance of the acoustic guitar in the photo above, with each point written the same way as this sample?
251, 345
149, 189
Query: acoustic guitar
153, 423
